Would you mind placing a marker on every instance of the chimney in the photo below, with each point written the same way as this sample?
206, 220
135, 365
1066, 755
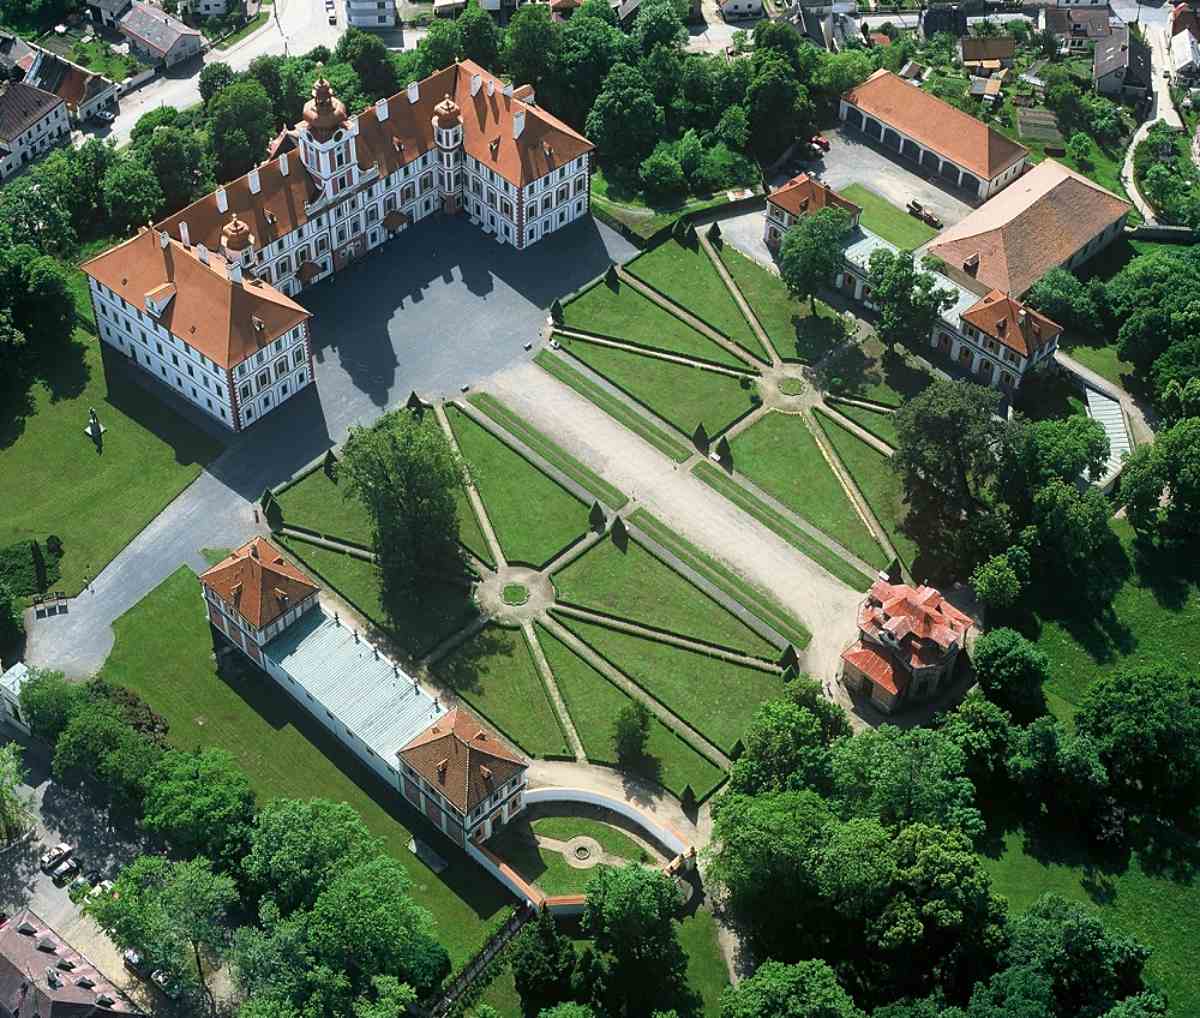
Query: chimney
971, 264
222, 200
164, 239
283, 165
476, 82
235, 272
255, 182
254, 551
518, 123
491, 86
381, 110
1021, 317
414, 92
202, 254
184, 236
508, 91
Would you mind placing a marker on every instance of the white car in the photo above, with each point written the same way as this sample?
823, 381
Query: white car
53, 856
105, 116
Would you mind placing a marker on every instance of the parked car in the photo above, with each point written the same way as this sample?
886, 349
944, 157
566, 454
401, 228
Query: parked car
105, 116
134, 961
169, 985
821, 142
53, 856
94, 876
103, 887
333, 17
64, 871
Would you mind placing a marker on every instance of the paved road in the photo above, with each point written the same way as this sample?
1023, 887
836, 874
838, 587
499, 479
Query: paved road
442, 307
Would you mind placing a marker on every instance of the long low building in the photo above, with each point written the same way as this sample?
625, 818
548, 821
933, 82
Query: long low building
958, 147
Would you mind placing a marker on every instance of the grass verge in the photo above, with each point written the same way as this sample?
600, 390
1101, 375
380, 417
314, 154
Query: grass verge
551, 451
878, 422
609, 838
886, 220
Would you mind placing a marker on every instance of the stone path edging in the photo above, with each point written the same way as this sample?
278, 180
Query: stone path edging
856, 429
327, 542
573, 552
560, 706
454, 640
481, 516
680, 727
647, 351
739, 299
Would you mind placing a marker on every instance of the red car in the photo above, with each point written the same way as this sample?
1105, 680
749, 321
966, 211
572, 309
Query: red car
821, 142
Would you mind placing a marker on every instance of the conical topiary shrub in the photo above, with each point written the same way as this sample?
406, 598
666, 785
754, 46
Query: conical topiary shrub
596, 518
714, 231
556, 311
620, 535
700, 437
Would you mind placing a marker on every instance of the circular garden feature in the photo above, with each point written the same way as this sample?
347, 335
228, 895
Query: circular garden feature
792, 386
515, 594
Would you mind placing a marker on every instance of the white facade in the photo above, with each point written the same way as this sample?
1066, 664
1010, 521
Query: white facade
734, 9
236, 397
51, 129
10, 697
371, 13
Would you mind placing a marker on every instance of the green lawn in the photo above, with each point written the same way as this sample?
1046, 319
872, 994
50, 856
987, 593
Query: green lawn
443, 609
550, 450
633, 584
881, 425
610, 839
626, 314
667, 444
780, 455
55, 480
801, 540
886, 220
706, 971
1150, 620
688, 277
100, 57
681, 395
593, 703
1100, 356
533, 517
545, 867
253, 25
317, 502
864, 370
714, 697
879, 484
796, 333
1131, 897
163, 652
494, 672
761, 602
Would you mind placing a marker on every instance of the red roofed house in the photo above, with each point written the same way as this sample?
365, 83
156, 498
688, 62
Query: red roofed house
801, 196
999, 339
909, 639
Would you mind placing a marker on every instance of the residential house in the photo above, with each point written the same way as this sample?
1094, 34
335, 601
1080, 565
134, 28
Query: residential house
11, 682
942, 18
1051, 217
42, 975
84, 91
827, 29
376, 14
734, 10
983, 55
1077, 28
157, 37
106, 13
204, 8
1121, 64
909, 640
1184, 18
460, 141
1185, 55
32, 122
461, 775
958, 147
800, 196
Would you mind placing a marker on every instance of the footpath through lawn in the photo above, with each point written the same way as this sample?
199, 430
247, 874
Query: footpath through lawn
163, 652
879, 423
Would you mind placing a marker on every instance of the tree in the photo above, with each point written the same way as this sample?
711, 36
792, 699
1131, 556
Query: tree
785, 749
998, 583
441, 47
480, 36
390, 997
1012, 671
297, 846
48, 702
983, 730
625, 121
97, 744
242, 122
1145, 723
16, 806
35, 214
406, 476
1090, 968
589, 48
1079, 149
808, 989
543, 962
173, 912
661, 175
180, 164
909, 300
778, 105
811, 254
367, 54
1160, 485
213, 78
132, 195
1071, 526
631, 730
12, 622
658, 23
531, 42
1061, 296
904, 776
568, 1009
365, 923
151, 121
203, 804
1040, 451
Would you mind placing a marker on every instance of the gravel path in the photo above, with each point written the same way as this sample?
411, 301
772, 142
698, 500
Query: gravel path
824, 604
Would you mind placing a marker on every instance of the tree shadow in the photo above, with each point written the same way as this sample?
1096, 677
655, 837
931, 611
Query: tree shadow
62, 369
462, 670
1170, 571
104, 838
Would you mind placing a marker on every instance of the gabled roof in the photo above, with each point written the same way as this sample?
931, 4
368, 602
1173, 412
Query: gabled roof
69, 81
29, 949
907, 612
1089, 22
15, 52
259, 582
877, 666
225, 320
463, 759
803, 196
937, 125
1011, 323
995, 47
1036, 223
1185, 19
22, 106
154, 27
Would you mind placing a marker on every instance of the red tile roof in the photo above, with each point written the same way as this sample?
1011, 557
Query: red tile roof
259, 582
227, 321
920, 611
1011, 323
937, 125
803, 196
463, 759
877, 667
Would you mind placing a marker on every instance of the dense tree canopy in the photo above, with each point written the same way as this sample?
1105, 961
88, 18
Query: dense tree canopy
808, 989
810, 256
